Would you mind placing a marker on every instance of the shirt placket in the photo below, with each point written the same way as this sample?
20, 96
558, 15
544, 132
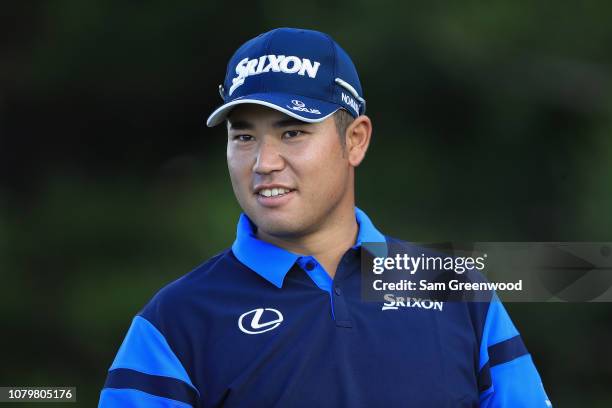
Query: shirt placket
321, 278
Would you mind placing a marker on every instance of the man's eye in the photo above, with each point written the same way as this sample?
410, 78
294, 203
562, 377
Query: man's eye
243, 138
292, 133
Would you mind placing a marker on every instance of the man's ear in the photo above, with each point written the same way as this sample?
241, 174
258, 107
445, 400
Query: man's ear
358, 135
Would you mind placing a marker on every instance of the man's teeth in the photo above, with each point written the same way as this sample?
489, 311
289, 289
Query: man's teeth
273, 192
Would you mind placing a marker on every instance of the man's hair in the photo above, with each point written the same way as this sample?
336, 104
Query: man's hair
343, 119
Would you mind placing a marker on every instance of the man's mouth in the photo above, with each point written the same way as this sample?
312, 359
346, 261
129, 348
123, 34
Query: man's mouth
274, 192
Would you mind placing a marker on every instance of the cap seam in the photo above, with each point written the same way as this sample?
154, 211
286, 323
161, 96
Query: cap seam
334, 73
266, 52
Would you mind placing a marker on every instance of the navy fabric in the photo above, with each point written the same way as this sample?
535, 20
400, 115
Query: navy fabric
506, 350
132, 398
152, 384
484, 378
500, 353
257, 326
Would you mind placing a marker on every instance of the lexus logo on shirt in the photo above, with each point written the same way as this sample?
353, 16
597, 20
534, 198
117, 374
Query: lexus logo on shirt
251, 321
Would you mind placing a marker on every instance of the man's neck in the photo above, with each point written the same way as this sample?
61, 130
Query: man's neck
327, 244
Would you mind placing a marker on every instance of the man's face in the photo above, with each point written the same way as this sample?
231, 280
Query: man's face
288, 176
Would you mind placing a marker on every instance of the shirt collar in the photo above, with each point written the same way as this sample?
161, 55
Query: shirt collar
273, 262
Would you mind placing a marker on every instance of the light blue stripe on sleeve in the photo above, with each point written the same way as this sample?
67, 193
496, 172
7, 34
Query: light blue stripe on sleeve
128, 398
146, 350
497, 328
516, 384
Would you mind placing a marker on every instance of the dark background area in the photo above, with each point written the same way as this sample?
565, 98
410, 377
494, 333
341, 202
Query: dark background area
491, 123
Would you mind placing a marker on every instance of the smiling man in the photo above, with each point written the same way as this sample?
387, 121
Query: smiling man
295, 179
278, 319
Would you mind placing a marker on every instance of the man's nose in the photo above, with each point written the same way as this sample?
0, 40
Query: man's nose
269, 157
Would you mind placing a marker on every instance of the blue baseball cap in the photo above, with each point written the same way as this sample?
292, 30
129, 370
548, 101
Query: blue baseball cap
302, 73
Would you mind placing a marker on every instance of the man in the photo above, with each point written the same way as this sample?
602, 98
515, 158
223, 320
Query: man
277, 319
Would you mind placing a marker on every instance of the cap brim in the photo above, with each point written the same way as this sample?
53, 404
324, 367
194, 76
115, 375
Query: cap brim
300, 107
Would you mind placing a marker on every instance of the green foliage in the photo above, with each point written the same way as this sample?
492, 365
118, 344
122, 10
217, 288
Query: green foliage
492, 122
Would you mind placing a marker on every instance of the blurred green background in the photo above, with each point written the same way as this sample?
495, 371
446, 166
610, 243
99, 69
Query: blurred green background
492, 122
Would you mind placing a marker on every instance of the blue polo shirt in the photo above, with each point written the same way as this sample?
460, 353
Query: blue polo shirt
258, 326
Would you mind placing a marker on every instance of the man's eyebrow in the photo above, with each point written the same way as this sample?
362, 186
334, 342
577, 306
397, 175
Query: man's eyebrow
289, 122
240, 125
245, 125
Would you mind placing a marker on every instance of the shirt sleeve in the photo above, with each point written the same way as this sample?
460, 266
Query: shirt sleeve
147, 373
507, 376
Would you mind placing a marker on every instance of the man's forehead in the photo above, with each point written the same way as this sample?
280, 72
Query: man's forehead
250, 115
251, 110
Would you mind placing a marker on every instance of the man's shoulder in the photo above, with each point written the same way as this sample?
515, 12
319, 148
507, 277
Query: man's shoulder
202, 272
191, 289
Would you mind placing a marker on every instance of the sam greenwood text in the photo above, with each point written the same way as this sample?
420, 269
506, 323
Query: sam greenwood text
453, 285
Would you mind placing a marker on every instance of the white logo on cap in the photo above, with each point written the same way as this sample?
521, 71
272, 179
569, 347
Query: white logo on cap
350, 102
275, 63
301, 107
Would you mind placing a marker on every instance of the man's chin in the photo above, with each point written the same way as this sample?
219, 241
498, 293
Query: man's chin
279, 225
